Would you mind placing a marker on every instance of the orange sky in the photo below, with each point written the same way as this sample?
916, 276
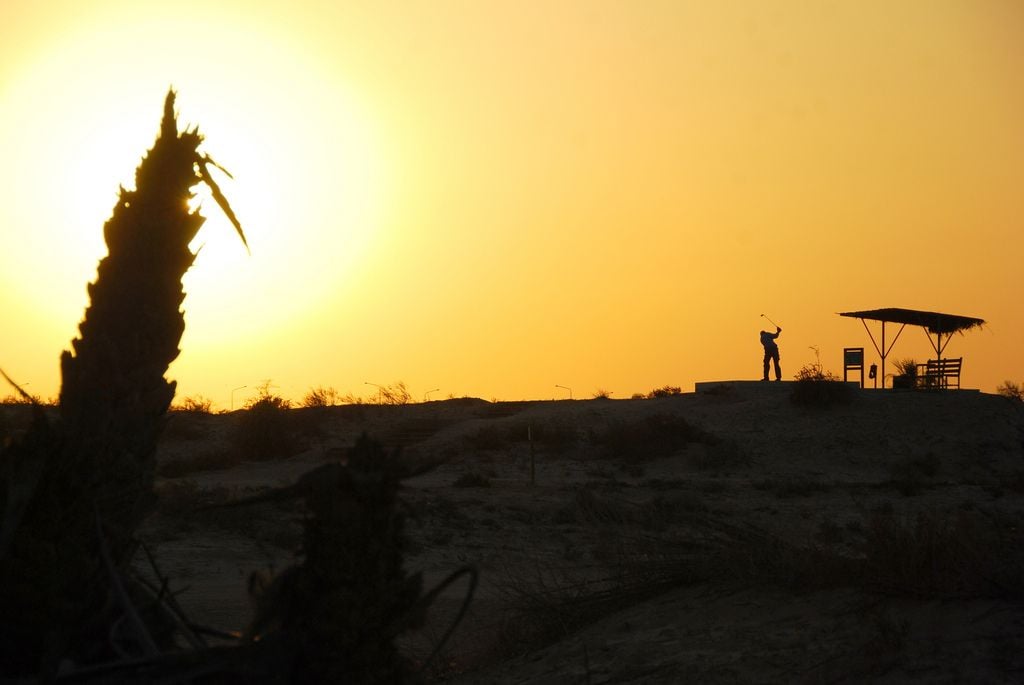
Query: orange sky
492, 198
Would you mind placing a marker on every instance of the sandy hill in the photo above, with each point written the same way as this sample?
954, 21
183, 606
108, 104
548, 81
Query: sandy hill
722, 536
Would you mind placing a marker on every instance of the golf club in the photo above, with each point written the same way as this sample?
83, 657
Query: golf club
772, 322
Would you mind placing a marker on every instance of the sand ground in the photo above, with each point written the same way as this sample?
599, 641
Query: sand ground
662, 540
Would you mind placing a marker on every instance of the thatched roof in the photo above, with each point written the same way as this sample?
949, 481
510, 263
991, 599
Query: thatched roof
935, 322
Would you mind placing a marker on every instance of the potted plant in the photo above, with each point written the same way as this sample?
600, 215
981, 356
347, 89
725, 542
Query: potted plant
906, 378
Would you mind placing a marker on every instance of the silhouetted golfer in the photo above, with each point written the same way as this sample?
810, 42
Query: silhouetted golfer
771, 352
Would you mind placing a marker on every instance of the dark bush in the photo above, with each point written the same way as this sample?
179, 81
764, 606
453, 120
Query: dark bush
821, 394
652, 437
266, 429
197, 405
943, 555
665, 391
821, 389
321, 397
1011, 390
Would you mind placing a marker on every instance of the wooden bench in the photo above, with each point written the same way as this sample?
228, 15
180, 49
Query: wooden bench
939, 374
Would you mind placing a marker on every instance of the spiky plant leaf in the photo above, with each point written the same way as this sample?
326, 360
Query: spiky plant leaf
98, 460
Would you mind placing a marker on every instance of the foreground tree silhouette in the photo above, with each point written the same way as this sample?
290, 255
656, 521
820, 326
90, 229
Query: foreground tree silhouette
74, 491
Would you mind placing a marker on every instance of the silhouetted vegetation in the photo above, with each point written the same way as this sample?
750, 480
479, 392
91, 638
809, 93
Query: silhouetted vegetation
906, 367
652, 437
395, 394
267, 429
333, 616
196, 405
965, 554
14, 400
75, 490
321, 397
906, 374
1013, 391
818, 388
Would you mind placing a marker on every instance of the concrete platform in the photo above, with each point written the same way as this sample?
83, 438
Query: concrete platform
757, 386
784, 385
769, 386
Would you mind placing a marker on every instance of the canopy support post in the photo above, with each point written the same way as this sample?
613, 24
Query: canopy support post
884, 351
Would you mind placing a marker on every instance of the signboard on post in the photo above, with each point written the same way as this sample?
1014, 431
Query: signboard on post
853, 360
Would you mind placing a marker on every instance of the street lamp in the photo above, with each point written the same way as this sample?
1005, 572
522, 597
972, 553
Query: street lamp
565, 388
241, 387
426, 395
380, 391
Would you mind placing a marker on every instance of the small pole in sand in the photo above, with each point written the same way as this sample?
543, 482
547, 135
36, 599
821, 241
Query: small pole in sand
533, 466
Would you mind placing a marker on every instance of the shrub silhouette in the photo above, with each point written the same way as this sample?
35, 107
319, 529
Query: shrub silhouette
333, 617
396, 394
267, 429
906, 367
195, 405
1011, 390
321, 397
816, 387
652, 437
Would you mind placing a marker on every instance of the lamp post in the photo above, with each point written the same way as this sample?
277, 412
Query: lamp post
380, 390
563, 387
241, 387
426, 395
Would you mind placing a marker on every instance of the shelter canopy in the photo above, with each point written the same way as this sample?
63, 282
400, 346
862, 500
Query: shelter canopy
934, 322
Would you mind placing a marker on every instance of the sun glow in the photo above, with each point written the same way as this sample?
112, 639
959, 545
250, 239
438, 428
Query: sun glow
306, 160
